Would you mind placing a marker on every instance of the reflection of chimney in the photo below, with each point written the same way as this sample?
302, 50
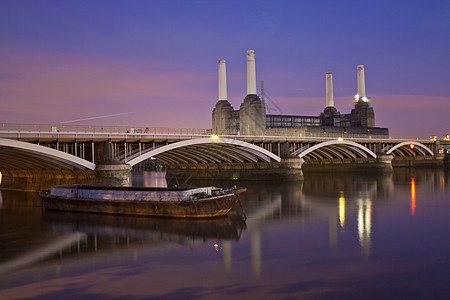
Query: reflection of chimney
226, 246
329, 90
255, 242
364, 224
222, 80
251, 73
333, 230
361, 82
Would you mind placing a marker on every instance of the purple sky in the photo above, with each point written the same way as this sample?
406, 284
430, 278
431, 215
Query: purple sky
157, 60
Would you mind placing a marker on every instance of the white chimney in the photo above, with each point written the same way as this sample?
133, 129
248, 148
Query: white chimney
222, 81
251, 73
361, 82
329, 90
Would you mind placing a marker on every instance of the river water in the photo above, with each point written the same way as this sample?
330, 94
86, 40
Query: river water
332, 236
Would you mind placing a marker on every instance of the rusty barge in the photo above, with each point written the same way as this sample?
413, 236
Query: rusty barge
204, 202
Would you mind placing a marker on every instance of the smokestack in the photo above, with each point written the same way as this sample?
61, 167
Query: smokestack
222, 81
329, 90
251, 73
361, 82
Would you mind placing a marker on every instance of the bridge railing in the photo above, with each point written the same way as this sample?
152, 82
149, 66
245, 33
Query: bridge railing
326, 137
59, 128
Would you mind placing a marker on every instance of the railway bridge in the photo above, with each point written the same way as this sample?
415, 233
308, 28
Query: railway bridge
112, 151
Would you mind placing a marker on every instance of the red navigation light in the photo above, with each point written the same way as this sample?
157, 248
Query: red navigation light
411, 146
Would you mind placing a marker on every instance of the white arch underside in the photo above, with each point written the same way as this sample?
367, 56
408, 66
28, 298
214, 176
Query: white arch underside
341, 145
417, 144
38, 153
229, 148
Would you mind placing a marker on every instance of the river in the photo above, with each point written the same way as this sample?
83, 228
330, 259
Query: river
331, 236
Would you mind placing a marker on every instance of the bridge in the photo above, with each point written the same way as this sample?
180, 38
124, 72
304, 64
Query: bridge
108, 150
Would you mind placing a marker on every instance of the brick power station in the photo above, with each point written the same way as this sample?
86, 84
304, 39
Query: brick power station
251, 117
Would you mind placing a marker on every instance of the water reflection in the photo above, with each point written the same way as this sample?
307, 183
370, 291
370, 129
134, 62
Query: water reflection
182, 231
413, 196
148, 178
265, 203
42, 252
333, 184
81, 234
364, 224
290, 229
340, 194
342, 210
269, 207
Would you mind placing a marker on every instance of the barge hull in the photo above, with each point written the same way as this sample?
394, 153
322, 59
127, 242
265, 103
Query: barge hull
201, 208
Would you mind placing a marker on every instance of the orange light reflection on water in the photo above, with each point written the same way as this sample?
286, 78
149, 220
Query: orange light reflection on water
342, 210
413, 197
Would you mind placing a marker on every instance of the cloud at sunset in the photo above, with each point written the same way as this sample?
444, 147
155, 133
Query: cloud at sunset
43, 88
160, 62
58, 88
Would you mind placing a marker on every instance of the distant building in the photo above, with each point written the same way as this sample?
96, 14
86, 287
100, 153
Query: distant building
251, 118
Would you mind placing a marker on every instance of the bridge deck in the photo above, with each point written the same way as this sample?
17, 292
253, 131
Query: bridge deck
129, 143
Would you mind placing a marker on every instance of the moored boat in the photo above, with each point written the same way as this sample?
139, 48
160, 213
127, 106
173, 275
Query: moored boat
202, 202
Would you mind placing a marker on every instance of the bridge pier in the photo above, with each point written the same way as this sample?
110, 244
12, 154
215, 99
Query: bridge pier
384, 161
291, 167
113, 169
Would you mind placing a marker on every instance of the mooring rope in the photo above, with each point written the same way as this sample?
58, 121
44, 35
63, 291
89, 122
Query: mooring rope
242, 209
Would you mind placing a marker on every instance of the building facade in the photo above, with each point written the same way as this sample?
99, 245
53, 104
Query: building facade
251, 118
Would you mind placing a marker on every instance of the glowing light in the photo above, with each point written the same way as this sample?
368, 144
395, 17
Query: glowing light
214, 136
342, 209
1, 177
411, 146
340, 139
365, 99
356, 98
413, 197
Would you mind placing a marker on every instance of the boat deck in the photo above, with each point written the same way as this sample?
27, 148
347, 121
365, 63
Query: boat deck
131, 193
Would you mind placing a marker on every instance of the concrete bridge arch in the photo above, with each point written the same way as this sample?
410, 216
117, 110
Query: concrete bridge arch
404, 149
17, 155
206, 151
339, 149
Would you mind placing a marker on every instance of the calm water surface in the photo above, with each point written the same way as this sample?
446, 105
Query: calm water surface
333, 236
